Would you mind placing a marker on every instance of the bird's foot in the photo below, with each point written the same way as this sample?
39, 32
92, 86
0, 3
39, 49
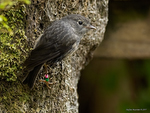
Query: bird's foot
46, 81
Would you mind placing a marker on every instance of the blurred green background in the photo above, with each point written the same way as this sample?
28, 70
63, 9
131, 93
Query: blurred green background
118, 85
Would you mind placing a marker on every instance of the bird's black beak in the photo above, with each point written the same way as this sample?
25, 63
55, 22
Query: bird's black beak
90, 27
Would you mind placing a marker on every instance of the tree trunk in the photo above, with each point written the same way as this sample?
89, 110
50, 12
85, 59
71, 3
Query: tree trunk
62, 97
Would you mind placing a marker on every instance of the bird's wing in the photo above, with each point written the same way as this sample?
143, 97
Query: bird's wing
52, 51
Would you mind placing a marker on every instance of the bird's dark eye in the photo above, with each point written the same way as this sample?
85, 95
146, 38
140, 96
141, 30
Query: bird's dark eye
80, 22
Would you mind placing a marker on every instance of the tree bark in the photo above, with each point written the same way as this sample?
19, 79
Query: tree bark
62, 97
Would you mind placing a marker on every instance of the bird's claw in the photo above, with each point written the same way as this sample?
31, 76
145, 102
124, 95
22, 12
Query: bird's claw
47, 83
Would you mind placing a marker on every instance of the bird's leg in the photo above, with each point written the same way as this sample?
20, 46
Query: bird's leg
46, 78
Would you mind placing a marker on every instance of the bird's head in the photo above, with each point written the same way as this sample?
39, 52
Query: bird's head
79, 23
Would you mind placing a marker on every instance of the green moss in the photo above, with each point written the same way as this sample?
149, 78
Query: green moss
13, 51
13, 46
13, 97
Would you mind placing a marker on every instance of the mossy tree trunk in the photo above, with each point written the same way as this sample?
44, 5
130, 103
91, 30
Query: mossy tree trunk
62, 97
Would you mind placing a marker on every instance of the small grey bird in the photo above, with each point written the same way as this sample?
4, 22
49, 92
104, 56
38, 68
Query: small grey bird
60, 39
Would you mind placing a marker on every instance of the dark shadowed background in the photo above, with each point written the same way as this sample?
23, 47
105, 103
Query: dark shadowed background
117, 80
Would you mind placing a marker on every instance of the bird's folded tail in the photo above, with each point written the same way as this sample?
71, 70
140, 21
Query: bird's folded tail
30, 78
